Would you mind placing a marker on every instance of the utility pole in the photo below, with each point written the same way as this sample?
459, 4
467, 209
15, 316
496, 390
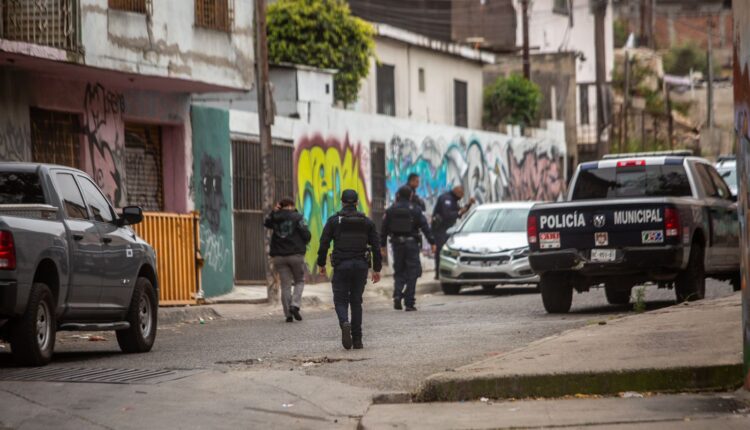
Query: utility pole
265, 121
600, 14
626, 105
643, 38
710, 54
526, 55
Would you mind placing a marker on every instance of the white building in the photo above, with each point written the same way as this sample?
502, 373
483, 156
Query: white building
419, 78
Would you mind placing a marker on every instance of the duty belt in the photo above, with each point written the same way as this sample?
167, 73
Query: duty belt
403, 238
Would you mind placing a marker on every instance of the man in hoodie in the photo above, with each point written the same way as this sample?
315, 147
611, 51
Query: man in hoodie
288, 246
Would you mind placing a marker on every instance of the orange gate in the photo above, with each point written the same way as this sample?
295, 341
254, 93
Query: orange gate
174, 237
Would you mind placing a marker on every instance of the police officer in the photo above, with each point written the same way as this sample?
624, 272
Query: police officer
444, 216
355, 241
402, 221
413, 183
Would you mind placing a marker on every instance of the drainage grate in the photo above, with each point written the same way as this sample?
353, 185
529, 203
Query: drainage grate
95, 375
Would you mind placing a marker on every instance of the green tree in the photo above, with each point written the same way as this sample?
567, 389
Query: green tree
514, 100
324, 34
679, 60
621, 34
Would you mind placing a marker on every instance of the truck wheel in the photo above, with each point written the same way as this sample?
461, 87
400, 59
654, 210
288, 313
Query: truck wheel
142, 316
488, 288
450, 289
557, 293
691, 282
32, 336
617, 296
736, 281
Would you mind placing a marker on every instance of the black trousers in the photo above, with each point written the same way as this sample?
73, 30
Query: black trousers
440, 238
407, 268
349, 280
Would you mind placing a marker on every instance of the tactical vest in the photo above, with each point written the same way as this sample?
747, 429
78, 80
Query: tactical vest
352, 233
402, 221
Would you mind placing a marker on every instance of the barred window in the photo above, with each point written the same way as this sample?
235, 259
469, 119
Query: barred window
214, 14
138, 6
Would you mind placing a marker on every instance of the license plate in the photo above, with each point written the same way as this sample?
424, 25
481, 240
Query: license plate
603, 255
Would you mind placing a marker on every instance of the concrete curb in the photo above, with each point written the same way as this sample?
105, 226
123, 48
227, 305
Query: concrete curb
174, 315
237, 301
443, 387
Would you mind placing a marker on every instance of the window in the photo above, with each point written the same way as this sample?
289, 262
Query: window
562, 7
138, 6
143, 166
71, 196
636, 181
496, 221
422, 84
55, 137
584, 104
214, 14
722, 188
18, 188
705, 179
98, 205
386, 87
460, 103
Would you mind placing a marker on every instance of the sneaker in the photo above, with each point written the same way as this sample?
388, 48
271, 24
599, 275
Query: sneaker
397, 304
295, 312
346, 335
410, 309
357, 340
289, 319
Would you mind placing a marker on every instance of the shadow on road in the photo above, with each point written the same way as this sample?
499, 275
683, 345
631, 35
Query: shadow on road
499, 291
618, 309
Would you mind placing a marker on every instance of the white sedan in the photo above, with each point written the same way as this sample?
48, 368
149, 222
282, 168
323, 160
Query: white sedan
488, 248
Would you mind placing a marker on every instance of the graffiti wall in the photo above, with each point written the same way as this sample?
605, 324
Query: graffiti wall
212, 196
742, 128
323, 169
15, 136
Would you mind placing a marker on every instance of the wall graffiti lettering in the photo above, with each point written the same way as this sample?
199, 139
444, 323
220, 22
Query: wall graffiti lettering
324, 168
212, 176
15, 142
104, 131
215, 250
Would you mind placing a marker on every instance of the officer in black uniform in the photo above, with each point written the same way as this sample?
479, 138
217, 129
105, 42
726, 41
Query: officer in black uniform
402, 221
413, 182
355, 242
447, 211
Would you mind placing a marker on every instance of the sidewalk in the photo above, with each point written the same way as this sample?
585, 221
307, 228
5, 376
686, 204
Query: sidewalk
680, 348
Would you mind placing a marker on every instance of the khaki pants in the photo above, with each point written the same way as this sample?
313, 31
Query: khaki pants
291, 270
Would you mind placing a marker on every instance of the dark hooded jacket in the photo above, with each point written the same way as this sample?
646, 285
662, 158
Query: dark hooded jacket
290, 233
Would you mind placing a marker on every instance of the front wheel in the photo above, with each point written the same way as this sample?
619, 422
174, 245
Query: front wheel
142, 316
691, 282
557, 293
450, 289
32, 336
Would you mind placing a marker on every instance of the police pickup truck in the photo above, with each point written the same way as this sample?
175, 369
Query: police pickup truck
630, 219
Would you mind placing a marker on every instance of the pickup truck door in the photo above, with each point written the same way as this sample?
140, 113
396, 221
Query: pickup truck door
119, 268
84, 248
723, 251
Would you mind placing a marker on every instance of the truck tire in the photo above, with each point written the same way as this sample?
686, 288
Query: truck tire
736, 281
617, 294
450, 289
143, 319
557, 293
691, 282
32, 335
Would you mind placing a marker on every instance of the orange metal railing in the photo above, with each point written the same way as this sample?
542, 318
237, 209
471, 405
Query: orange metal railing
174, 237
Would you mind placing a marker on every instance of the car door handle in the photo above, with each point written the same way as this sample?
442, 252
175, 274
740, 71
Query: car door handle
77, 236
107, 240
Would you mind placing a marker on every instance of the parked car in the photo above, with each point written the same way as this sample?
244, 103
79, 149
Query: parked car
488, 248
727, 168
634, 219
68, 262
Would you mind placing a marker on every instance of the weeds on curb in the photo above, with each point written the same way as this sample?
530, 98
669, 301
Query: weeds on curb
640, 300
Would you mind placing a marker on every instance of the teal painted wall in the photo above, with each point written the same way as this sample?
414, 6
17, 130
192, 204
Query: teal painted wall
212, 195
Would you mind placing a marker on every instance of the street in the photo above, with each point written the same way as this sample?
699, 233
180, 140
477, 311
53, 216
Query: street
261, 362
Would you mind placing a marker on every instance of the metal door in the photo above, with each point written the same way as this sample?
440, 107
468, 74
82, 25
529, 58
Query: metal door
379, 193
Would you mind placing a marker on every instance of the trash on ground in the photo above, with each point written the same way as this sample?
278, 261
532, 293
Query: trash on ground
631, 395
287, 405
484, 400
95, 338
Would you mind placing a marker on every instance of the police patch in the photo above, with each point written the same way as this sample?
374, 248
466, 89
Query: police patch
601, 238
652, 236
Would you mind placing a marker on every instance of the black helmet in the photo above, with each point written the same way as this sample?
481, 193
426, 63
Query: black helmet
404, 193
349, 197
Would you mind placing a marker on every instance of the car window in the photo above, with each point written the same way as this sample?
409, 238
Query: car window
71, 196
496, 221
705, 178
722, 188
729, 174
98, 205
20, 189
632, 181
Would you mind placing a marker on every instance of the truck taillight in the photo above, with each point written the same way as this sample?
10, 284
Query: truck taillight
7, 251
531, 229
672, 222
631, 163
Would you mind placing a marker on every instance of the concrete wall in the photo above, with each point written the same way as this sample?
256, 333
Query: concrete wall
212, 194
436, 103
332, 152
742, 128
167, 43
15, 131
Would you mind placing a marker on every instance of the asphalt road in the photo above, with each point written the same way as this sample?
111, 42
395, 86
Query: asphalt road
401, 349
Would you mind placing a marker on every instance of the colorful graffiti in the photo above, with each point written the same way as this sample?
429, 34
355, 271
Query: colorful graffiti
324, 168
104, 131
490, 171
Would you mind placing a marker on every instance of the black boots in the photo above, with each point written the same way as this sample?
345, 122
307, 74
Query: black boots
289, 319
295, 311
357, 340
397, 304
346, 335
410, 309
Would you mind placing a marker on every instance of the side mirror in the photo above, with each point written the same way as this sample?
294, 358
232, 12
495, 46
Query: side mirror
131, 215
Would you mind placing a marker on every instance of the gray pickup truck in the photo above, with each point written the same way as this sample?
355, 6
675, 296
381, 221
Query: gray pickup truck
69, 262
